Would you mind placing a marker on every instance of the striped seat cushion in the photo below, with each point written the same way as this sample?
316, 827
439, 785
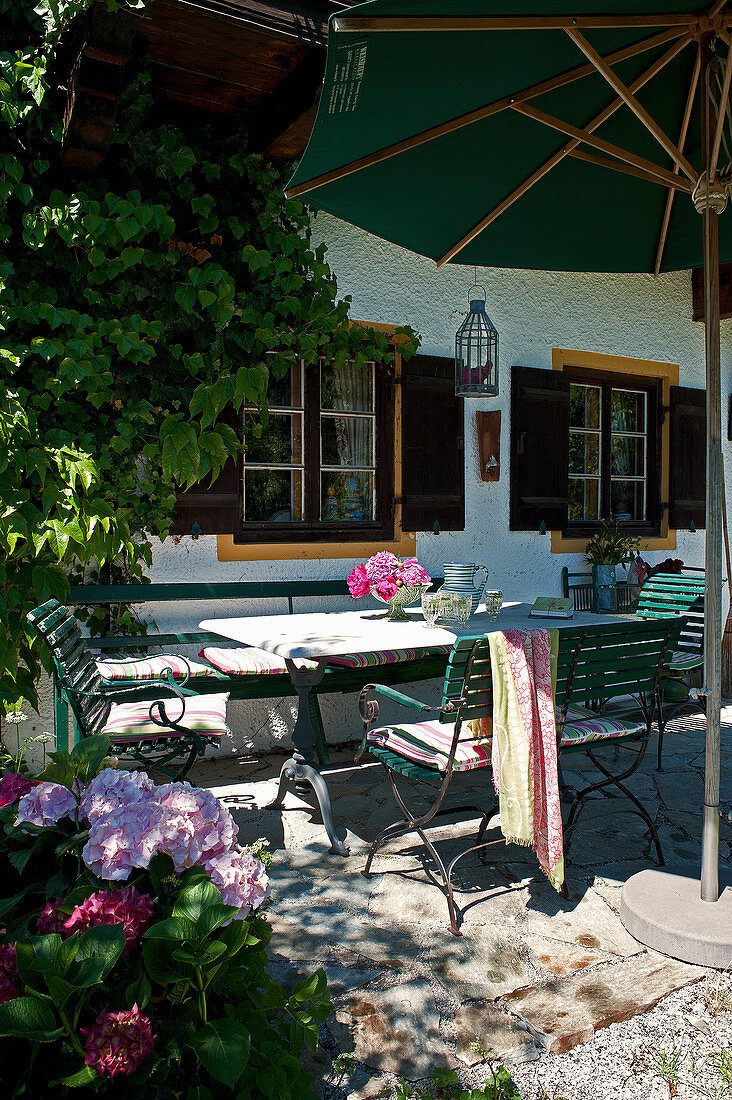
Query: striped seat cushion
386, 657
150, 668
584, 725
428, 744
204, 714
682, 661
248, 661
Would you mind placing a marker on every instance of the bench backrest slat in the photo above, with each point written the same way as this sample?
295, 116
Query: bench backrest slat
75, 667
666, 594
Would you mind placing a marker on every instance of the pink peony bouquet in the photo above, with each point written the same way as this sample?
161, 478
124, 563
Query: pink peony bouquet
385, 574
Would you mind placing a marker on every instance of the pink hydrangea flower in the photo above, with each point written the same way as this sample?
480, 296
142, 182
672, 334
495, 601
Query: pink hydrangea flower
51, 918
127, 907
8, 973
111, 790
130, 822
241, 878
382, 565
358, 582
13, 786
386, 587
118, 1042
46, 804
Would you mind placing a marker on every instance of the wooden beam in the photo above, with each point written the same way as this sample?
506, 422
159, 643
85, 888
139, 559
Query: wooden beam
631, 101
682, 141
353, 24
481, 113
288, 110
662, 174
603, 116
628, 169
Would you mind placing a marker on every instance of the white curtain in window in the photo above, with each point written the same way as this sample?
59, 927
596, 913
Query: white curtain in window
353, 386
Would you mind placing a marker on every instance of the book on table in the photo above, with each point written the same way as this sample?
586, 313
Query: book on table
552, 607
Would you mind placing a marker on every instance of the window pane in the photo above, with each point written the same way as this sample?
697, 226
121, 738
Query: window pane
347, 388
347, 440
628, 411
346, 498
628, 456
584, 499
584, 453
584, 406
628, 501
280, 441
285, 393
272, 496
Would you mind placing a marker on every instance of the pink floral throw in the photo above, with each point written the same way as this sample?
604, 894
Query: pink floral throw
525, 745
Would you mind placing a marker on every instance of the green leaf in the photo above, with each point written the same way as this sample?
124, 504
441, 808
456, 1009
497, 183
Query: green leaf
223, 1048
138, 993
104, 944
28, 1018
85, 1077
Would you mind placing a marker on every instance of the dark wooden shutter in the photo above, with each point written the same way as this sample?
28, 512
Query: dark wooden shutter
539, 449
688, 473
216, 507
433, 447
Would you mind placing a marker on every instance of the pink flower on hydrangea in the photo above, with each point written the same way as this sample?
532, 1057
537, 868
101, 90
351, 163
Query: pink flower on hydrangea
118, 1042
111, 790
46, 804
51, 918
127, 907
8, 973
130, 822
241, 878
13, 786
386, 587
358, 582
382, 565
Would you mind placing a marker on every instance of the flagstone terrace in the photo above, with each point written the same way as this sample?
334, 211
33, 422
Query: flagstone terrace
532, 977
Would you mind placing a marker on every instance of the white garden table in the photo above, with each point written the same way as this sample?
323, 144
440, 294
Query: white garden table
320, 636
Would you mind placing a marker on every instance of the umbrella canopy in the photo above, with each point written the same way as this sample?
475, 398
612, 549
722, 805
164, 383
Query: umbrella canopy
422, 135
521, 133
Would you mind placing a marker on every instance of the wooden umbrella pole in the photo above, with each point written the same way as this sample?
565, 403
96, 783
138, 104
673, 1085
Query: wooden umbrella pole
713, 541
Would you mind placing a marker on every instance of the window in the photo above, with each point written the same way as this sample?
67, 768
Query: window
322, 467
613, 452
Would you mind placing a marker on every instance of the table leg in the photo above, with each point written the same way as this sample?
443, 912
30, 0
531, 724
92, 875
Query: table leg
301, 770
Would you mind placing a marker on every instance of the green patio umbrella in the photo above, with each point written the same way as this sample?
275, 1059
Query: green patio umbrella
519, 133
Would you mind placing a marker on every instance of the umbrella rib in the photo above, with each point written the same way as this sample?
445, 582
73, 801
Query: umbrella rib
686, 119
481, 113
723, 98
359, 24
604, 146
628, 169
605, 114
630, 100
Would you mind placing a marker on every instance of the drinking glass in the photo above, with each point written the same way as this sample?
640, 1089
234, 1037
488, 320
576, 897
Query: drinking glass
493, 603
431, 605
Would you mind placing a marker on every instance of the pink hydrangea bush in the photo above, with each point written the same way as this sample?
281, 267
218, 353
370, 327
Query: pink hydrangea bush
8, 973
13, 786
46, 804
118, 1042
127, 907
385, 573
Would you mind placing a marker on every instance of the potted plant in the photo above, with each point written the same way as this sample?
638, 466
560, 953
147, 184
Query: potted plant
605, 550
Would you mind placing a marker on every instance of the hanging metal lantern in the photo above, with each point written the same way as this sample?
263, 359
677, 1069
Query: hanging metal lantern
476, 351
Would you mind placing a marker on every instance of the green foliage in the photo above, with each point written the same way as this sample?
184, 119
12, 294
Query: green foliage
611, 546
222, 1025
446, 1086
139, 312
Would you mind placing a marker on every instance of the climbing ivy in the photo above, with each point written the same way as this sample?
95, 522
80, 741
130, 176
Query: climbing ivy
137, 309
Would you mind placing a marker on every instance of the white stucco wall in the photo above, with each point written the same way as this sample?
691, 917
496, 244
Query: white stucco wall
630, 315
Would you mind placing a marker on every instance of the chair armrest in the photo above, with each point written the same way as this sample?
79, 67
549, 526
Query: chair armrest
399, 697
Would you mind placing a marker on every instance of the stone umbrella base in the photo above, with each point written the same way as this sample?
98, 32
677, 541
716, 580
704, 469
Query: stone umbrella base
663, 910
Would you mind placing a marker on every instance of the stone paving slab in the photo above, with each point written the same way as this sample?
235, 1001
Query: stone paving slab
395, 1030
568, 1012
488, 1028
588, 922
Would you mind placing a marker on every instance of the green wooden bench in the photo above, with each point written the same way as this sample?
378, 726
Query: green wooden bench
279, 595
596, 665
664, 595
